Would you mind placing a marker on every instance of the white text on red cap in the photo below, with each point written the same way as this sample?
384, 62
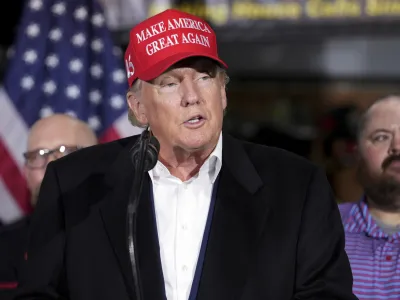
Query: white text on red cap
174, 38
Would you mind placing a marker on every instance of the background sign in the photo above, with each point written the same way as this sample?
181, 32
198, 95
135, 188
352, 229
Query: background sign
123, 14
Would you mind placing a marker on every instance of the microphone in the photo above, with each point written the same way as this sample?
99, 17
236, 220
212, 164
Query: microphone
144, 155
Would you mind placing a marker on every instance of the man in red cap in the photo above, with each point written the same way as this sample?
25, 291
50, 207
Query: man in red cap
218, 218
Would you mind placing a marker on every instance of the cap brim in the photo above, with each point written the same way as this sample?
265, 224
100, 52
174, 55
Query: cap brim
157, 69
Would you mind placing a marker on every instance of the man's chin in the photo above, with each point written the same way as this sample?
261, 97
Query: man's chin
385, 193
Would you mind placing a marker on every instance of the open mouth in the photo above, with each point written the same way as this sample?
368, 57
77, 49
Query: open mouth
195, 120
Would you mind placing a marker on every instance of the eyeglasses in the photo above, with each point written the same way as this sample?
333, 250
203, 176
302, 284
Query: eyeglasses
38, 158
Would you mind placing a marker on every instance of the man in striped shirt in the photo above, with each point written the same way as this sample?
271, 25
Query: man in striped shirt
372, 225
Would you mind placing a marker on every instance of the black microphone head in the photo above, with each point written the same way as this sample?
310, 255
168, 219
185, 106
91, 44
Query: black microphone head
146, 147
152, 153
155, 143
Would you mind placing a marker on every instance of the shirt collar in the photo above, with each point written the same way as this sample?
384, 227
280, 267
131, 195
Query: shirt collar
360, 220
212, 165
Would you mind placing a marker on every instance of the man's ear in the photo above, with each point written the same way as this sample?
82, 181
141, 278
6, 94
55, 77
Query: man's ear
223, 98
223, 92
137, 108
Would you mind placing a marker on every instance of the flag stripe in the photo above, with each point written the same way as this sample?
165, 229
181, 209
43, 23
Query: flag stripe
125, 128
13, 178
110, 135
13, 129
8, 285
9, 209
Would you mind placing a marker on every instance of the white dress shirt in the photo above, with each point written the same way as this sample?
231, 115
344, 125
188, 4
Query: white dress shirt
181, 210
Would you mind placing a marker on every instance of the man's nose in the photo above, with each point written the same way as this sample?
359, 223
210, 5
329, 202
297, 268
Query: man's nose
190, 94
51, 158
54, 156
395, 144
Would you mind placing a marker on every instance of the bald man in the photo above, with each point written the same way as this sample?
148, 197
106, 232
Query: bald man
49, 138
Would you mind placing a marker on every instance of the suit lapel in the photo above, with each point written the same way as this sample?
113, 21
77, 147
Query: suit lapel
239, 217
113, 211
148, 247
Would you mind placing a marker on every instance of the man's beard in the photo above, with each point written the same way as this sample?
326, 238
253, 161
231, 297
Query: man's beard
383, 191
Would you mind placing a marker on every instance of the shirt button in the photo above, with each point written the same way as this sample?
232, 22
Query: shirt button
184, 227
388, 257
184, 268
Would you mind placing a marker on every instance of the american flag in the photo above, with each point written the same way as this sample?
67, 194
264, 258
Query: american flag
63, 61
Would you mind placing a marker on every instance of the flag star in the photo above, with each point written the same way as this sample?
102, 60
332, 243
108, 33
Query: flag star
98, 20
117, 51
46, 111
81, 13
27, 82
35, 4
33, 30
97, 45
79, 39
73, 91
71, 113
94, 122
52, 61
59, 8
119, 76
30, 56
49, 87
117, 102
55, 34
75, 65
95, 96
96, 71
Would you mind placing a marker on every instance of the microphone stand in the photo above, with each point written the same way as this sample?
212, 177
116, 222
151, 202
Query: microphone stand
133, 204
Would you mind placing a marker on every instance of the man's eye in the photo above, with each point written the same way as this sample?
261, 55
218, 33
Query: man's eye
168, 83
380, 138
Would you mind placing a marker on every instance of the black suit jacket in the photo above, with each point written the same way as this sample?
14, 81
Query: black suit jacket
13, 240
276, 230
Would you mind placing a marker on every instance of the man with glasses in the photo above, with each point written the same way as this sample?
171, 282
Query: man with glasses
49, 138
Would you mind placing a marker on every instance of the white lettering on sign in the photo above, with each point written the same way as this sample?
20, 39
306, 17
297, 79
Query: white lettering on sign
130, 69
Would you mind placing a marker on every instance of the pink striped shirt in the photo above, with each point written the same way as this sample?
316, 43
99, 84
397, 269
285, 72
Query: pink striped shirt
374, 255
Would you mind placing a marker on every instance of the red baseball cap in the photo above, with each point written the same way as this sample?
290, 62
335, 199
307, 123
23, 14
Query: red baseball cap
162, 40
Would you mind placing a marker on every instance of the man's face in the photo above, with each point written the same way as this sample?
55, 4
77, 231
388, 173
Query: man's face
379, 149
51, 135
184, 106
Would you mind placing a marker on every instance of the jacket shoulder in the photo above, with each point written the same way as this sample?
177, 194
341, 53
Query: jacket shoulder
281, 160
91, 160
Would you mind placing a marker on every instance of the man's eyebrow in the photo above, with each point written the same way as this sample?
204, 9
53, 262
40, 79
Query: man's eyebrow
380, 130
162, 77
